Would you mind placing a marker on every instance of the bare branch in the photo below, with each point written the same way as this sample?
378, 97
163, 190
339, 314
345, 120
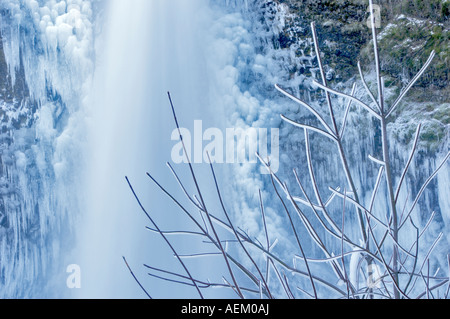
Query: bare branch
362, 208
433, 288
436, 241
347, 281
235, 233
164, 237
332, 258
135, 278
416, 243
234, 288
386, 265
202, 202
280, 279
196, 203
324, 78
314, 183
310, 204
376, 160
347, 110
427, 224
309, 127
176, 232
416, 140
201, 284
425, 186
307, 106
375, 189
199, 255
297, 238
411, 84
266, 233
357, 101
369, 92
377, 58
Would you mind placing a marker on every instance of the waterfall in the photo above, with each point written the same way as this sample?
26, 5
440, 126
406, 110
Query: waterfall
147, 49
89, 107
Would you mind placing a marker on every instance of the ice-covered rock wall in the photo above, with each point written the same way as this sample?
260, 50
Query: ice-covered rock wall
259, 59
48, 47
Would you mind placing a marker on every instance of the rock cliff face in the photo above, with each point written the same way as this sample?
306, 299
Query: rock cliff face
16, 113
409, 31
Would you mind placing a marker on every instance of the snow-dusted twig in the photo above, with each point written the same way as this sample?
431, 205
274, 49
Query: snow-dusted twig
308, 107
219, 244
411, 84
413, 150
296, 237
352, 98
165, 238
424, 186
184, 280
391, 273
375, 189
266, 233
347, 110
433, 288
314, 183
359, 206
369, 92
266, 287
309, 127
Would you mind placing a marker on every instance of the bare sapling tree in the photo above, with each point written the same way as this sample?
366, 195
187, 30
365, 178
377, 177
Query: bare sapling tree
388, 263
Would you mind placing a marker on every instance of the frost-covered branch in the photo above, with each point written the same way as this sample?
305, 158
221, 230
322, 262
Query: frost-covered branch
379, 263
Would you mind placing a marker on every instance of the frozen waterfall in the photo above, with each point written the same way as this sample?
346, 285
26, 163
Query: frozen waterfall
148, 48
85, 105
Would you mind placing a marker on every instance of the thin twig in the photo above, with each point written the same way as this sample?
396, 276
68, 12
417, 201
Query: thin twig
347, 110
369, 92
266, 234
312, 128
164, 237
135, 278
352, 98
416, 140
298, 240
411, 84
423, 188
307, 106
202, 201
234, 230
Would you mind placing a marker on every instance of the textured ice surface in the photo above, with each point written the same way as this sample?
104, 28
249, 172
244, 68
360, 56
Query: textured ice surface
51, 43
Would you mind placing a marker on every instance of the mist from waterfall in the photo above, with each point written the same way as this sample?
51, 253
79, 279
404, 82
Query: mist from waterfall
147, 48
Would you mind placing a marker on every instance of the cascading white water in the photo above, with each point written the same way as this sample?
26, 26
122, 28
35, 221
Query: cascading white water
147, 49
